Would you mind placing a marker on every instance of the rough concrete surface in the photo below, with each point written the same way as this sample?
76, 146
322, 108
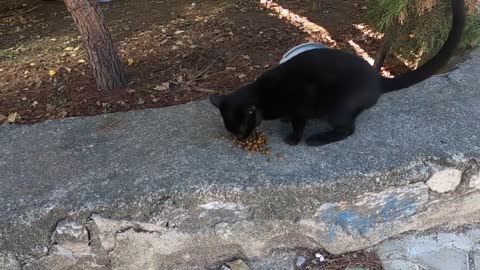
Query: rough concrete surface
459, 250
166, 189
445, 180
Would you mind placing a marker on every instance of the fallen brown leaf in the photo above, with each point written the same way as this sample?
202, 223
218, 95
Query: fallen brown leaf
160, 88
50, 108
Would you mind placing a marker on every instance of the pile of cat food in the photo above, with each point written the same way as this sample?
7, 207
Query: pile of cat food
256, 142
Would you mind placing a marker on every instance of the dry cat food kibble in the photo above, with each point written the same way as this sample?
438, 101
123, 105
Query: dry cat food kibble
256, 142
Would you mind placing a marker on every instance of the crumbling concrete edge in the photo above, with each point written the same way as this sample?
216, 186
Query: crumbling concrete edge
218, 227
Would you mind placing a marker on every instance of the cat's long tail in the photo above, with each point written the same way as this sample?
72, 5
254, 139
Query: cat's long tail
439, 60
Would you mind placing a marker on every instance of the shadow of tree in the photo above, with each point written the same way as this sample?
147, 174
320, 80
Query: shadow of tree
340, 19
215, 46
196, 49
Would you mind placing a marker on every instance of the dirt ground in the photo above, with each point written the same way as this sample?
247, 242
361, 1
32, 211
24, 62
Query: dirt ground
174, 51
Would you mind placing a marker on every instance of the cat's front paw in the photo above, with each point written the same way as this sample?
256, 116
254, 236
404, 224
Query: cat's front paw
292, 139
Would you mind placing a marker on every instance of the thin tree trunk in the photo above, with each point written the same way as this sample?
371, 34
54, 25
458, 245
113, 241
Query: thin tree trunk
102, 56
382, 53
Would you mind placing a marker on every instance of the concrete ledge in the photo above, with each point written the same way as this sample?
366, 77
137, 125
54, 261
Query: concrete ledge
161, 188
435, 249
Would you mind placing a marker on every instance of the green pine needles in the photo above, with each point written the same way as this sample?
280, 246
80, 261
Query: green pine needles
420, 27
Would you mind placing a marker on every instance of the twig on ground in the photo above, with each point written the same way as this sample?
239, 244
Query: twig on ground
226, 70
204, 90
19, 13
200, 74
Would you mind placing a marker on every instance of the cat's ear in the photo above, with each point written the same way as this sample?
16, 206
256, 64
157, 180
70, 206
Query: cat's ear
216, 101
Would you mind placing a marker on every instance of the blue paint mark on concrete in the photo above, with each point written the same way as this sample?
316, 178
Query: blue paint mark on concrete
395, 208
331, 235
348, 219
359, 220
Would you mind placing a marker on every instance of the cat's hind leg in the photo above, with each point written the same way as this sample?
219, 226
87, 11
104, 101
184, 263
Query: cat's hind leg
298, 125
343, 124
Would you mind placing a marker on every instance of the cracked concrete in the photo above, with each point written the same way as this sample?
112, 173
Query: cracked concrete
166, 188
338, 227
444, 250
9, 262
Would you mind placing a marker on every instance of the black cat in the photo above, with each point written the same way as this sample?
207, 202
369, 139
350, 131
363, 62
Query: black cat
323, 83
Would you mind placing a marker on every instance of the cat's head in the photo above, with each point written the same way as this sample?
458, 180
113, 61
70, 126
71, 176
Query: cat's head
240, 116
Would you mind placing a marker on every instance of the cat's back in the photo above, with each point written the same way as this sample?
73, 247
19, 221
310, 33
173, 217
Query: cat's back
330, 61
329, 76
325, 75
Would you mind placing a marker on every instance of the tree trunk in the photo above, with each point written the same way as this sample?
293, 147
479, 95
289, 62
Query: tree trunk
382, 53
102, 56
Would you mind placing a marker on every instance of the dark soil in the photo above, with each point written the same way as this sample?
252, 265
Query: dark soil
179, 51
